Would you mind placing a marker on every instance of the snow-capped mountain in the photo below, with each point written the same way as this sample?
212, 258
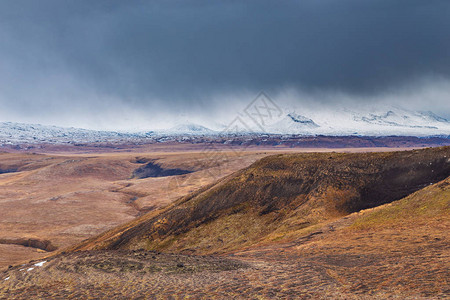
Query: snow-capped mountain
292, 123
186, 129
414, 120
393, 121
17, 133
12, 133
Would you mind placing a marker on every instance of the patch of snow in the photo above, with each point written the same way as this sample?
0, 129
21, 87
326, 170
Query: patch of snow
29, 269
7, 278
40, 264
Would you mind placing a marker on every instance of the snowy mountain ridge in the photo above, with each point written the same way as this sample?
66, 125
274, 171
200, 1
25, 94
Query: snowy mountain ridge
345, 122
186, 128
12, 133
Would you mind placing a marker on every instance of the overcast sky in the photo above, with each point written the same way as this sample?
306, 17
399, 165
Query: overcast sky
128, 64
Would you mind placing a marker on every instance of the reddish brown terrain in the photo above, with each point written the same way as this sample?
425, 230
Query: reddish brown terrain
63, 199
312, 225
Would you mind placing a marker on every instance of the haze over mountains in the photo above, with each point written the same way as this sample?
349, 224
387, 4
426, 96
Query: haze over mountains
394, 121
154, 61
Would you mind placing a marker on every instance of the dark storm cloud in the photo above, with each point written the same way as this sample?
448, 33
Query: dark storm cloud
183, 53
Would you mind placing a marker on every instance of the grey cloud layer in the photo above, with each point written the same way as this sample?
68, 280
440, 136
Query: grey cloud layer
58, 54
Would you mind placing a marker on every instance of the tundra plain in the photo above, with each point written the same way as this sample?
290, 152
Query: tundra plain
267, 223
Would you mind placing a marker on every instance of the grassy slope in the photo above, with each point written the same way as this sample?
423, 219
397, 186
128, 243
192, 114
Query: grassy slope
396, 250
276, 196
423, 207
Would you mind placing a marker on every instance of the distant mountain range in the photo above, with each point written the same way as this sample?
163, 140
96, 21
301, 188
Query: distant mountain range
394, 121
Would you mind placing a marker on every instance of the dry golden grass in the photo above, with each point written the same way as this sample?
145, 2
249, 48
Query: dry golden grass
276, 196
272, 245
336, 260
68, 198
410, 211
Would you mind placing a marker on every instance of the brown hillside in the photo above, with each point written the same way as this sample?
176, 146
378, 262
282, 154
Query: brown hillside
63, 199
398, 250
278, 195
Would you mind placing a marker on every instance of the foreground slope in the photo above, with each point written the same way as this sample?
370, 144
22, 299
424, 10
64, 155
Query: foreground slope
397, 250
275, 197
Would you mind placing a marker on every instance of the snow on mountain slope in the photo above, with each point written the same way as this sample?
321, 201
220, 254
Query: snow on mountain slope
393, 121
375, 122
186, 129
403, 122
16, 133
415, 120
11, 133
292, 123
